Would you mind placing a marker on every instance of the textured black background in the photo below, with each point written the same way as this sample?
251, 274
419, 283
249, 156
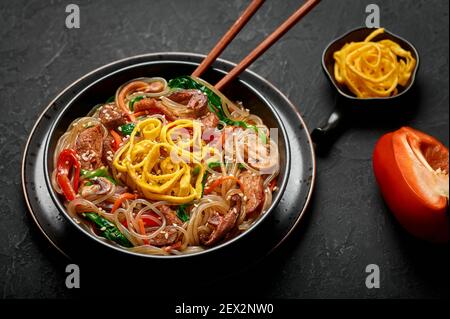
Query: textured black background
348, 225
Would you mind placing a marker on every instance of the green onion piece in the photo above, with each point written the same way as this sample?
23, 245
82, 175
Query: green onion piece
127, 129
214, 165
182, 213
262, 136
99, 172
205, 177
107, 229
134, 100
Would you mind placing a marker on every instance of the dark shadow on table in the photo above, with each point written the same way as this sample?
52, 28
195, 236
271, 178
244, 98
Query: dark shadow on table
388, 115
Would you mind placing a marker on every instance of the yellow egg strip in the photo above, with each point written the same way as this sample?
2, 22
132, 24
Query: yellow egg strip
373, 69
159, 167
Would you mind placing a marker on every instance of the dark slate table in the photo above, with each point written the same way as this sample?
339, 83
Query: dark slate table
347, 226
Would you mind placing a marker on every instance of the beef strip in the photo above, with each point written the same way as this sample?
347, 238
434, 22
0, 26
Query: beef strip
108, 150
154, 106
166, 237
196, 102
170, 215
89, 147
111, 116
253, 189
209, 121
222, 224
169, 235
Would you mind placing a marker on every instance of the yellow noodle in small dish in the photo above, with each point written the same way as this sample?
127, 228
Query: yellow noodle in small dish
373, 69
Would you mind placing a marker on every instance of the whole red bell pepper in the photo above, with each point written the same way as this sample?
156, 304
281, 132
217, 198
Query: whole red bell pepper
68, 164
411, 169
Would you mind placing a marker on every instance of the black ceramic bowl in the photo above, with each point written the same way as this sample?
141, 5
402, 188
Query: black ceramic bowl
353, 109
104, 83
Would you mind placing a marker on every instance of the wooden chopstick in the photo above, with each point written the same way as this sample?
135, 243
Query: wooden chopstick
267, 43
228, 37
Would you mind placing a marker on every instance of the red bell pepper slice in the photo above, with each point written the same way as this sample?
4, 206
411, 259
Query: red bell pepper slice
68, 163
150, 222
117, 139
411, 169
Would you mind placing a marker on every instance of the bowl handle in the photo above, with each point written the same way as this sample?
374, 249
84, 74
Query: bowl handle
325, 135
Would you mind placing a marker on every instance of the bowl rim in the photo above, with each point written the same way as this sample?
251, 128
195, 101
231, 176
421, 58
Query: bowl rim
180, 55
354, 98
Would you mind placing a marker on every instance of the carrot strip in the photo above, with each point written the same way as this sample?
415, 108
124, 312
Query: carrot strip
130, 87
223, 138
219, 181
132, 117
140, 113
121, 199
117, 139
142, 229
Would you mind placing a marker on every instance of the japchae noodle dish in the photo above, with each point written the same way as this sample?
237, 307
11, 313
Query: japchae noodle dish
166, 168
